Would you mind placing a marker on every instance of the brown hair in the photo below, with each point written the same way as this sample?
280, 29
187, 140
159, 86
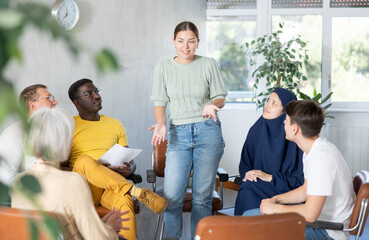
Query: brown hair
29, 94
186, 26
308, 115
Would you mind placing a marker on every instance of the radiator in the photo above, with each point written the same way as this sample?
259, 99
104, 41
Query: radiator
353, 143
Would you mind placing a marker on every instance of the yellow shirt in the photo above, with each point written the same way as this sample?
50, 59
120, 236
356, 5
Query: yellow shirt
94, 138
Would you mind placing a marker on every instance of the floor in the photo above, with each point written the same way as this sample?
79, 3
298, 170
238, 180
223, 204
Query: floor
146, 219
146, 222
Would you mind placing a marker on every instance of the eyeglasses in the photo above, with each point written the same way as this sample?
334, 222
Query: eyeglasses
51, 98
90, 93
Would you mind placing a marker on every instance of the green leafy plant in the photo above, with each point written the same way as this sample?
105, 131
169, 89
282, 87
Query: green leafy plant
282, 65
317, 97
14, 19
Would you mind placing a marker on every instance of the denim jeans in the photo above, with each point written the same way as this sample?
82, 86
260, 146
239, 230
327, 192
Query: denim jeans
198, 147
310, 233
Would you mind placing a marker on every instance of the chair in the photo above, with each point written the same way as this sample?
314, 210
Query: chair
264, 227
359, 212
233, 185
14, 224
158, 163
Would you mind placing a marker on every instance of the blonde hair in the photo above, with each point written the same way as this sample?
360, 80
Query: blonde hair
51, 134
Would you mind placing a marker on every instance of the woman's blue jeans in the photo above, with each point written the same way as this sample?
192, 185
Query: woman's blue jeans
310, 233
198, 147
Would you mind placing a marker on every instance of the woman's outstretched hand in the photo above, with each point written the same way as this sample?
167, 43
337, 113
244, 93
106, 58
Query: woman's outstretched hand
253, 175
160, 130
114, 219
210, 111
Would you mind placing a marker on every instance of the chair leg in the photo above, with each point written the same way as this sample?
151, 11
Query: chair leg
162, 227
157, 226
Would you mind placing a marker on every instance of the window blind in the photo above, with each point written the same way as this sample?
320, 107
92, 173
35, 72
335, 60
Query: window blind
297, 3
348, 3
231, 4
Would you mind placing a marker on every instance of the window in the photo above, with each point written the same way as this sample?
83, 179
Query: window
224, 40
310, 29
337, 32
350, 59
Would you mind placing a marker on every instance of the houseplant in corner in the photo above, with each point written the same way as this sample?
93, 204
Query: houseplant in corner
282, 64
317, 97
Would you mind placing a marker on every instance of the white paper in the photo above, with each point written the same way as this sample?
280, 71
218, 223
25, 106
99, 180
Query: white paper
118, 154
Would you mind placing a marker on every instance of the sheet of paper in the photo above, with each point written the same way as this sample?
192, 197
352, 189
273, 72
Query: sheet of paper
118, 154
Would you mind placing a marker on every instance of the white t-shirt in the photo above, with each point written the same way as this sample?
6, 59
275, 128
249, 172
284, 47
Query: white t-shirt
11, 152
327, 174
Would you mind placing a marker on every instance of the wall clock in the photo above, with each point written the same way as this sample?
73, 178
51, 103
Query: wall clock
66, 13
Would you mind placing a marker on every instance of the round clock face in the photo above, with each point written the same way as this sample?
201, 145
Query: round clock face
66, 13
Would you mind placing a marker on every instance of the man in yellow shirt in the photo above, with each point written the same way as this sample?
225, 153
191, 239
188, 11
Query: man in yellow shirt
94, 135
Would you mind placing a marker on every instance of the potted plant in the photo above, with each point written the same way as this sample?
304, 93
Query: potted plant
282, 65
317, 97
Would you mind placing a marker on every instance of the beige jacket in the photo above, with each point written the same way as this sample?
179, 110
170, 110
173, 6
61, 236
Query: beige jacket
67, 195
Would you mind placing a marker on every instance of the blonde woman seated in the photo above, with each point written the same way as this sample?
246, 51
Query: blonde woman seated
64, 193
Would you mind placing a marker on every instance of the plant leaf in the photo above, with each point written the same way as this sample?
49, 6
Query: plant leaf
327, 106
10, 19
52, 226
304, 96
106, 61
30, 184
4, 193
317, 97
327, 97
33, 227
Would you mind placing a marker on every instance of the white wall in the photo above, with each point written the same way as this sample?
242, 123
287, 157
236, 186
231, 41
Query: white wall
139, 32
236, 121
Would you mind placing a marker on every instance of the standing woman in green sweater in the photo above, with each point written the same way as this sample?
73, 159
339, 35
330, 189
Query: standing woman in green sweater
193, 86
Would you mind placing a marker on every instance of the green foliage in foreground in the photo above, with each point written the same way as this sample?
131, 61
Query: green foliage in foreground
14, 19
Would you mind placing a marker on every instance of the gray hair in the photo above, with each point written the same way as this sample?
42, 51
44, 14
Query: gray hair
51, 134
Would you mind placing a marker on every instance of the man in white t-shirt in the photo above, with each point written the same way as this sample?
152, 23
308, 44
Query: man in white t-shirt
327, 193
11, 139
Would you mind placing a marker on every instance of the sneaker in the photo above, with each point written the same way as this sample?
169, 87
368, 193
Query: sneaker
153, 201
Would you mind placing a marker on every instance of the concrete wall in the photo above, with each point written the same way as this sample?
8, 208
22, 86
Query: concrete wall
139, 32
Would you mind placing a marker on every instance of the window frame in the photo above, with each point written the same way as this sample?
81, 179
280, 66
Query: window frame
263, 14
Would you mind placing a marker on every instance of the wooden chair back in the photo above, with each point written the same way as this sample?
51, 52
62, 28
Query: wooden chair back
265, 227
361, 187
159, 158
14, 224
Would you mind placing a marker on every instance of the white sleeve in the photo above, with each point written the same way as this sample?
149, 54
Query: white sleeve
11, 152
